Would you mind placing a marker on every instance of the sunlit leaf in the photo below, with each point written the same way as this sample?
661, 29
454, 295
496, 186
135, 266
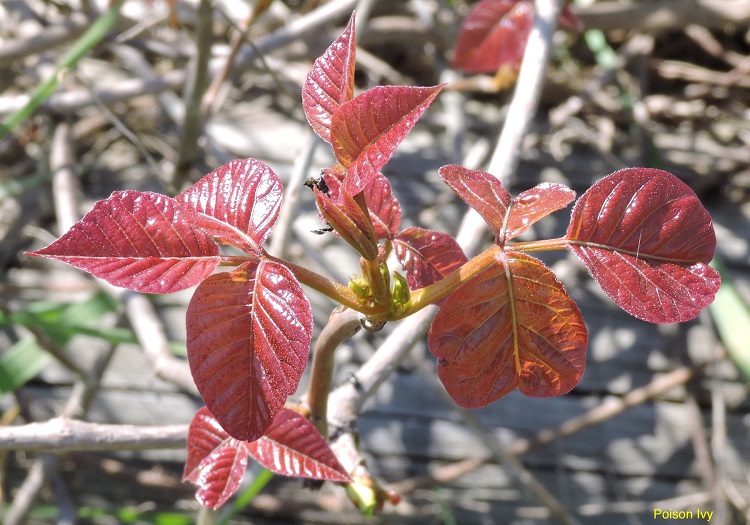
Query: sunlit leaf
511, 326
647, 240
330, 82
493, 35
481, 191
292, 446
138, 240
367, 130
427, 256
237, 203
534, 204
248, 340
385, 211
216, 462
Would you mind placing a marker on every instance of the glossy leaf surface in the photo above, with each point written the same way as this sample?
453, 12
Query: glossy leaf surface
493, 35
534, 204
647, 240
483, 192
237, 203
367, 130
330, 82
248, 340
427, 256
138, 240
385, 211
511, 326
216, 462
294, 447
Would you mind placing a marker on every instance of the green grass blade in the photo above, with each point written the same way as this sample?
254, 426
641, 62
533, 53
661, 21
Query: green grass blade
731, 316
83, 45
21, 363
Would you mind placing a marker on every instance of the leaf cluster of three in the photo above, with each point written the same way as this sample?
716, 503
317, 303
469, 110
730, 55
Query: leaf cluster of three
504, 321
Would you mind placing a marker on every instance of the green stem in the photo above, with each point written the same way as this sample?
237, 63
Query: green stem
336, 291
342, 324
434, 292
83, 45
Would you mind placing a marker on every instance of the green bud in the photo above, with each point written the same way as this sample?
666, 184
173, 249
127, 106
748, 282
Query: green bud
363, 496
360, 287
401, 291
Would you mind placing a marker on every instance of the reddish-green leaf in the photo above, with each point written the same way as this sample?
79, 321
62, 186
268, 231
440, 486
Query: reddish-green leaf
534, 204
367, 130
138, 240
237, 203
294, 447
511, 326
647, 240
248, 340
330, 82
493, 35
385, 211
481, 191
216, 462
350, 221
427, 256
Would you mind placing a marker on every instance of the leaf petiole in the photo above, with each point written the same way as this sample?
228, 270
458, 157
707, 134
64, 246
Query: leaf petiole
331, 289
431, 294
543, 245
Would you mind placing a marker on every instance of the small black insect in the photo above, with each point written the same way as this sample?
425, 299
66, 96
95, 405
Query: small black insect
320, 183
325, 229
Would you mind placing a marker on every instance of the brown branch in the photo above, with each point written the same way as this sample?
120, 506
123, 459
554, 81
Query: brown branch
46, 38
663, 15
62, 434
192, 125
599, 414
342, 325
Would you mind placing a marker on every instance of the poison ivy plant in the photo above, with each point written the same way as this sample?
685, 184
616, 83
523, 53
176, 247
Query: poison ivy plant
505, 321
492, 38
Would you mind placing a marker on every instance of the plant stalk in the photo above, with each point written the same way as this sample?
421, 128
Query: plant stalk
342, 324
434, 292
333, 290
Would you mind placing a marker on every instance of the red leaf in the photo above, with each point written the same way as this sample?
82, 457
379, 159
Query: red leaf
534, 204
330, 82
512, 325
385, 211
427, 256
237, 203
367, 130
481, 191
493, 35
647, 239
294, 447
248, 340
216, 462
137, 240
